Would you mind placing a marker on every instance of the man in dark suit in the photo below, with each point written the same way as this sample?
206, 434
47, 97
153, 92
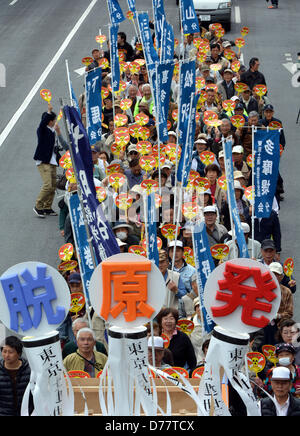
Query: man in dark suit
46, 157
252, 76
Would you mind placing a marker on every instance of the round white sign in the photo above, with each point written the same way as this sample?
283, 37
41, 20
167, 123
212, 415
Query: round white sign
35, 299
242, 295
127, 290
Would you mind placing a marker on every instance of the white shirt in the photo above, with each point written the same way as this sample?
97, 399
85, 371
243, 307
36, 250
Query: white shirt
282, 409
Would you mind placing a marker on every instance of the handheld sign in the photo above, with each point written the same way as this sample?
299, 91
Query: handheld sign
78, 374
101, 193
77, 302
219, 251
100, 39
190, 210
229, 105
260, 90
120, 120
174, 371
125, 104
240, 87
141, 119
207, 157
238, 121
66, 252
244, 31
250, 160
46, 95
222, 182
150, 185
169, 231
147, 163
144, 147
256, 362
123, 201
186, 326
68, 265
198, 372
269, 352
188, 255
235, 66
249, 193
137, 249
116, 180
288, 266
87, 61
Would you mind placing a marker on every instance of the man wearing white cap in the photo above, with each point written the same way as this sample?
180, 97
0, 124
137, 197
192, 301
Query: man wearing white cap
157, 343
214, 231
238, 161
283, 403
186, 271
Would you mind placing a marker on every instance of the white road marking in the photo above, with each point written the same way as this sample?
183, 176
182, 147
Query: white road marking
44, 75
237, 14
13, 2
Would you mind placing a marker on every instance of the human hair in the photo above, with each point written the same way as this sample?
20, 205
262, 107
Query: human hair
51, 116
253, 114
85, 330
95, 49
156, 174
82, 320
287, 322
252, 62
165, 312
212, 167
13, 342
123, 36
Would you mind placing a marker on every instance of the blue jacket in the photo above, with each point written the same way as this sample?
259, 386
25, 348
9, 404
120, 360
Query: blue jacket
186, 272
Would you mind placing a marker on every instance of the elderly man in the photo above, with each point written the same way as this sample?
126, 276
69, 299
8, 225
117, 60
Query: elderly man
146, 99
214, 231
283, 404
72, 346
246, 133
86, 358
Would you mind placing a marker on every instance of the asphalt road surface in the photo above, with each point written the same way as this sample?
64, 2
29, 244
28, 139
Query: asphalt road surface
37, 37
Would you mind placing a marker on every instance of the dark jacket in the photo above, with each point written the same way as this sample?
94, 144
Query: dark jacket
268, 228
253, 78
46, 140
268, 407
282, 140
7, 406
182, 350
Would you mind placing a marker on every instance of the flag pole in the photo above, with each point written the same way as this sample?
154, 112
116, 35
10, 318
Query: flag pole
69, 82
254, 130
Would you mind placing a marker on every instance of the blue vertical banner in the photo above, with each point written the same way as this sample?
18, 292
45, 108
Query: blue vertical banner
266, 169
150, 53
132, 7
189, 19
240, 237
168, 42
115, 12
159, 18
164, 76
114, 57
103, 239
93, 83
81, 240
185, 162
204, 266
187, 87
152, 231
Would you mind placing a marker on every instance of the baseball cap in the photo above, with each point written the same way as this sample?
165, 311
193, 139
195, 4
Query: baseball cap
245, 228
281, 373
276, 267
177, 243
238, 149
268, 243
239, 106
268, 107
228, 70
196, 302
132, 147
75, 278
210, 209
238, 175
157, 342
